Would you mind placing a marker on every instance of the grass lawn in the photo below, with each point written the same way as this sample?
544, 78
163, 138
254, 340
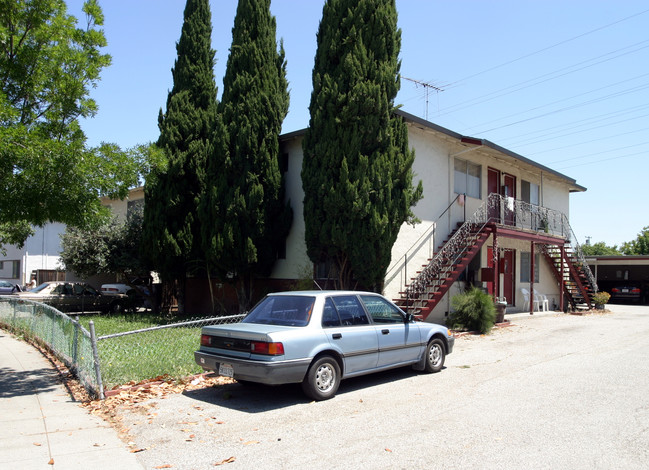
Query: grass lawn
141, 356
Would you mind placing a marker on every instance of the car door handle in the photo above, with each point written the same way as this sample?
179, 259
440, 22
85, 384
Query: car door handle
337, 336
385, 332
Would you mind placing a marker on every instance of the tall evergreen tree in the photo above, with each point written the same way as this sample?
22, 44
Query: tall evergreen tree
171, 230
245, 217
357, 171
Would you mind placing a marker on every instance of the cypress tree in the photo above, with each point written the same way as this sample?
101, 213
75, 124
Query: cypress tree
170, 227
357, 170
246, 217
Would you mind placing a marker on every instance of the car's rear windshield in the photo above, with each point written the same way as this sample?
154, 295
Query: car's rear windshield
282, 310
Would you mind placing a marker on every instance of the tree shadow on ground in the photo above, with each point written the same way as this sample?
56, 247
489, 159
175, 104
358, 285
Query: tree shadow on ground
16, 383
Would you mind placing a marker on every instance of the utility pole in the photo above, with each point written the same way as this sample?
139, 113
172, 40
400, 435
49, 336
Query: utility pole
427, 87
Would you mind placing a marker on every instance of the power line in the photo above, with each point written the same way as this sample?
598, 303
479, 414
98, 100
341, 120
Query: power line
567, 108
576, 124
590, 141
538, 80
605, 160
548, 48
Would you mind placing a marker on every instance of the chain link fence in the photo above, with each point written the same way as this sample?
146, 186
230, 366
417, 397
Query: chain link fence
166, 350
111, 360
62, 335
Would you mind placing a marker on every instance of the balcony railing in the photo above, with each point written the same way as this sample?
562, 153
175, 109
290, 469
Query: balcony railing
504, 211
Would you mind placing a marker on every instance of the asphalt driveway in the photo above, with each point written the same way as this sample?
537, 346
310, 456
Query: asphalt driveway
552, 391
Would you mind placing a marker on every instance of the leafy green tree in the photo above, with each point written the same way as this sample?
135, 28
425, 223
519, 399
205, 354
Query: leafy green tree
113, 247
47, 67
173, 189
600, 249
639, 246
245, 217
357, 171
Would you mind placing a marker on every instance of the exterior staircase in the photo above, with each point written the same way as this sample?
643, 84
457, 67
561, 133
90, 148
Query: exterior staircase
579, 286
424, 292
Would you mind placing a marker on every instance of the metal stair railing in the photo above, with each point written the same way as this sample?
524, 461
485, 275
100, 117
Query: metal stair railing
400, 267
453, 249
579, 254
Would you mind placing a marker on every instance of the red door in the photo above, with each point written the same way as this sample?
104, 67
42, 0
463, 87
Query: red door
506, 268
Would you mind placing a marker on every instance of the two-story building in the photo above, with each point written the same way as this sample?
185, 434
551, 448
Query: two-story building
488, 216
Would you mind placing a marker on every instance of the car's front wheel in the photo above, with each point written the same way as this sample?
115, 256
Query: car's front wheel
435, 355
322, 379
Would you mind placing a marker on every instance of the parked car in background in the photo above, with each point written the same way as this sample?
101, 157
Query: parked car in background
138, 296
319, 338
7, 288
626, 293
73, 297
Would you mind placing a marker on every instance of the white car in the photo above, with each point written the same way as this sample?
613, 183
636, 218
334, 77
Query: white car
319, 338
139, 295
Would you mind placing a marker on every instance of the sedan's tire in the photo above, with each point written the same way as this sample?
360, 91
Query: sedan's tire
322, 379
435, 355
116, 308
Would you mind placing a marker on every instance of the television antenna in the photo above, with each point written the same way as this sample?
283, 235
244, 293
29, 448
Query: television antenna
427, 87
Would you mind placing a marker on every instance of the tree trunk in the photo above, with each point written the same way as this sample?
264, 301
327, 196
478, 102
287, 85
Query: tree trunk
244, 292
180, 295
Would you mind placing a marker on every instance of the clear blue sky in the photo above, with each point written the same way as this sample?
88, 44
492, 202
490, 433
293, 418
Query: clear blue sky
565, 83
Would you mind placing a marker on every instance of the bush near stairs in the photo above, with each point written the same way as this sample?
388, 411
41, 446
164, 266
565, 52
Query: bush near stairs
474, 310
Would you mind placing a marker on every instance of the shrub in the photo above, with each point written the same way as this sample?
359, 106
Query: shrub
601, 298
474, 310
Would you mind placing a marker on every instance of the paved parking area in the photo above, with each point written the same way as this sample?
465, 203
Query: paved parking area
552, 391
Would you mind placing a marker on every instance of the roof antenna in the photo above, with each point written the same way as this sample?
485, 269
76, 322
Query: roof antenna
426, 86
317, 285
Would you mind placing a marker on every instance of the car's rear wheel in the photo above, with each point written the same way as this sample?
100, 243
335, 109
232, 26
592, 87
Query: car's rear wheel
322, 379
116, 308
435, 355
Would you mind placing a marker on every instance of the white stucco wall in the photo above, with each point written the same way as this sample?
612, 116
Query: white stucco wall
41, 251
297, 263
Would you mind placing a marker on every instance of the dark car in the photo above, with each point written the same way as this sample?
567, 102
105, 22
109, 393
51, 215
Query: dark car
72, 297
626, 293
7, 288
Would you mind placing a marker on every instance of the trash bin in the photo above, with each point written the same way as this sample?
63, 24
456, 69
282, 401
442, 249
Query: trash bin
500, 311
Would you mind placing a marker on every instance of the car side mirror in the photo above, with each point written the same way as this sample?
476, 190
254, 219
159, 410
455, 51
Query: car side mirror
410, 318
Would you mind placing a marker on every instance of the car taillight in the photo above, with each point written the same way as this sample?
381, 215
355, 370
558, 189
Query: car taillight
615, 289
635, 290
269, 349
206, 340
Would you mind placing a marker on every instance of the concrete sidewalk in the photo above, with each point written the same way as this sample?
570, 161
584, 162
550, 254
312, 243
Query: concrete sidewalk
41, 426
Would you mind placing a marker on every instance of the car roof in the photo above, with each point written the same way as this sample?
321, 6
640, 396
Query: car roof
321, 293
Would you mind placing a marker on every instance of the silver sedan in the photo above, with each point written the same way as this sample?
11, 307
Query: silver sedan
319, 338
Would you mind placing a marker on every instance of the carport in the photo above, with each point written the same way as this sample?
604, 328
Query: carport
621, 271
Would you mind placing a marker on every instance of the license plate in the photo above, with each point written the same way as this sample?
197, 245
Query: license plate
226, 370
625, 291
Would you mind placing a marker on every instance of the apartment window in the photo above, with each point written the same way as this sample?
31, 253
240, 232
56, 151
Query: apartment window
15, 269
467, 178
525, 267
530, 193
